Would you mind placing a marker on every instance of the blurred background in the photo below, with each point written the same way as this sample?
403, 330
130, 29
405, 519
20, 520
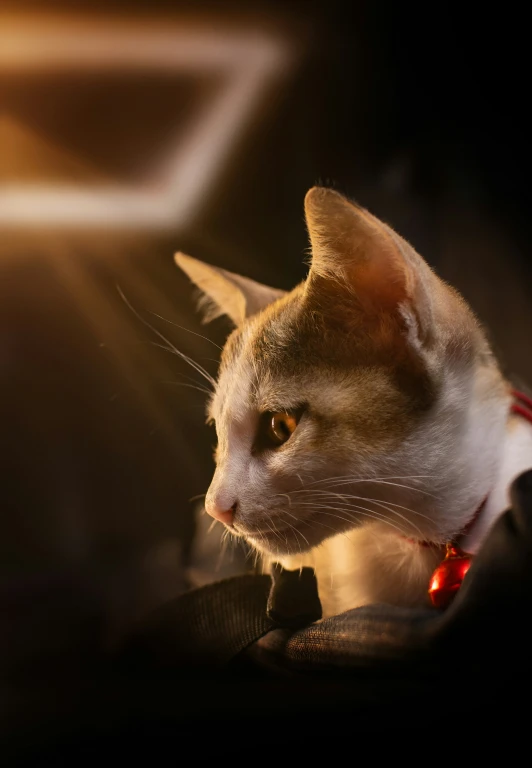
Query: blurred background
130, 130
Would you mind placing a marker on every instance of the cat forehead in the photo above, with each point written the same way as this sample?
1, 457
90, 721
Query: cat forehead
292, 341
275, 362
248, 382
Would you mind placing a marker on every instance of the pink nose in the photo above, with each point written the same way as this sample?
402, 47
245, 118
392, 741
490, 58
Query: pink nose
223, 515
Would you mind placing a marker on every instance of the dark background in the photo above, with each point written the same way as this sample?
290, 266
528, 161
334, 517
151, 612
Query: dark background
419, 114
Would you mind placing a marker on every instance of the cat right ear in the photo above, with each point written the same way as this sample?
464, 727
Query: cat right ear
226, 293
353, 250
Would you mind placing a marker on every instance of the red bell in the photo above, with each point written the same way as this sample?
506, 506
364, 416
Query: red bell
448, 576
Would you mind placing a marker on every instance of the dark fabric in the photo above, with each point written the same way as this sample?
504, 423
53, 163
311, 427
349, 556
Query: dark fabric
487, 622
205, 627
378, 667
211, 625
293, 600
215, 671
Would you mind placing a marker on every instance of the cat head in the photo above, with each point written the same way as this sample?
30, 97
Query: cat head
355, 391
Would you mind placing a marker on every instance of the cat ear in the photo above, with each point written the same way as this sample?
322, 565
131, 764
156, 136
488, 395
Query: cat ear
225, 293
353, 249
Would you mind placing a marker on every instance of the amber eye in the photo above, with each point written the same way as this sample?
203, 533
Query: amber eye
280, 427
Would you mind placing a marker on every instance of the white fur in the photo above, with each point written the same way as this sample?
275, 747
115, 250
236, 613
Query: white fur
361, 534
516, 458
373, 563
467, 448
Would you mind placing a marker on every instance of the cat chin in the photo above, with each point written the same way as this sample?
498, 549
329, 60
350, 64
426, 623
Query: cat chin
275, 549
287, 541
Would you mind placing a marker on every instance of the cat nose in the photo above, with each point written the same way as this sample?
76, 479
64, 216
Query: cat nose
220, 512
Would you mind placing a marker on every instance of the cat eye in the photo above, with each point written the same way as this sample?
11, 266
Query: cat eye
280, 427
275, 428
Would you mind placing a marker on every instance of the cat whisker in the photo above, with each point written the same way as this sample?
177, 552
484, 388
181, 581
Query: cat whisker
224, 543
371, 516
203, 390
201, 336
383, 505
364, 511
251, 553
194, 382
389, 503
330, 528
352, 481
359, 479
197, 367
381, 502
173, 351
263, 540
408, 487
183, 375
297, 531
336, 483
287, 496
274, 531
228, 538
211, 526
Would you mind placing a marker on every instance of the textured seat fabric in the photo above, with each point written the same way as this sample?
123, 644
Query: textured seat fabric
487, 624
377, 657
227, 662
214, 624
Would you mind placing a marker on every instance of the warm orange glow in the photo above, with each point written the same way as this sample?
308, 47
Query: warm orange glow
176, 188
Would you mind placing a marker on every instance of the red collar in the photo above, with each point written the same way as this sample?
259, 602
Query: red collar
448, 576
465, 531
524, 405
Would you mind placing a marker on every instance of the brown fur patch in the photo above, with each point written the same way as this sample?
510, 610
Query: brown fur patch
309, 339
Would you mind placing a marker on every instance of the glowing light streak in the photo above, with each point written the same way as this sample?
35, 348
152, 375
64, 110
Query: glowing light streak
173, 193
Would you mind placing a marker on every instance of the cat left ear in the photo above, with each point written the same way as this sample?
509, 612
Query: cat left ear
226, 293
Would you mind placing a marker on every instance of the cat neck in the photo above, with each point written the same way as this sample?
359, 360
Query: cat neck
516, 458
471, 464
376, 564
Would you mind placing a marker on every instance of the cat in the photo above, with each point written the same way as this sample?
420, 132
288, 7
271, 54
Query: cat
362, 418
